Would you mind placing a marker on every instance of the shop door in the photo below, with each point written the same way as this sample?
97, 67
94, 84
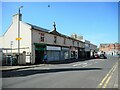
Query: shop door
39, 56
39, 53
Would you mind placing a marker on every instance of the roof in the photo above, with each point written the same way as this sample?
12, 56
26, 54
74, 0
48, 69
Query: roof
107, 44
38, 28
51, 32
55, 32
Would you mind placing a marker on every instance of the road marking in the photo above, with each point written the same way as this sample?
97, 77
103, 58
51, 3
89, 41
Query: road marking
79, 64
96, 62
46, 68
107, 78
86, 63
102, 82
107, 81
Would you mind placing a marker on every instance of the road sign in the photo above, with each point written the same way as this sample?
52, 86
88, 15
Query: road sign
18, 38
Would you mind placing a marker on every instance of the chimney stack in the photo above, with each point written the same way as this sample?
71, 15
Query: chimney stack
16, 17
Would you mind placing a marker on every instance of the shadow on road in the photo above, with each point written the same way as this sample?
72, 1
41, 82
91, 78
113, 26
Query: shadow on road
42, 71
67, 61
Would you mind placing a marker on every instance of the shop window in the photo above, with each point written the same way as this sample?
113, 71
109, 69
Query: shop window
55, 39
42, 37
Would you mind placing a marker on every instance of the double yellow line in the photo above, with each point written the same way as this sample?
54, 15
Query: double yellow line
107, 78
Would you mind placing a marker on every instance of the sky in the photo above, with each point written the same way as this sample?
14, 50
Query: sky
95, 21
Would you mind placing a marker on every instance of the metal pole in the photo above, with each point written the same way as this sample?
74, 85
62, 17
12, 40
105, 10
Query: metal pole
19, 33
11, 51
11, 43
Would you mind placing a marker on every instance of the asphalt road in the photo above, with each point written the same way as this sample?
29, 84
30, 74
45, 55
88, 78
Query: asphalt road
95, 73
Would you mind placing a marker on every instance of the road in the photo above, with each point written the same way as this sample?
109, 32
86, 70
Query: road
95, 73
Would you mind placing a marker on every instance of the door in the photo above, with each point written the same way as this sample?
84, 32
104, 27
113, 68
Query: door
39, 56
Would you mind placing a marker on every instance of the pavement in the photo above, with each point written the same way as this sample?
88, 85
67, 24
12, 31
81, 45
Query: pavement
10, 68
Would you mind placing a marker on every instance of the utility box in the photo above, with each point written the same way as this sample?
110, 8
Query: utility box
22, 58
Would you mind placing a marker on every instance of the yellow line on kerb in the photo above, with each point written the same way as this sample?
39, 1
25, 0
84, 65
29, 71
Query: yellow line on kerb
107, 78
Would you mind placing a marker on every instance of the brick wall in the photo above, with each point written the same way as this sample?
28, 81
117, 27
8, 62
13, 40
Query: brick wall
109, 48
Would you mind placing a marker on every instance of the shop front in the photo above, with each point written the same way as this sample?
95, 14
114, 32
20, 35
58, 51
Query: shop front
92, 52
39, 52
74, 52
81, 52
53, 53
65, 53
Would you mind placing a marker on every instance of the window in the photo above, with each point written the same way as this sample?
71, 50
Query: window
42, 37
55, 39
78, 44
114, 46
73, 43
87, 45
64, 40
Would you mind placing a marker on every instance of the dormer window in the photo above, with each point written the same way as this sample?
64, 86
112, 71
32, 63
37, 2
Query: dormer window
55, 39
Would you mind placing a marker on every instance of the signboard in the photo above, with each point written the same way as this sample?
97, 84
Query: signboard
53, 48
65, 48
72, 48
27, 59
18, 38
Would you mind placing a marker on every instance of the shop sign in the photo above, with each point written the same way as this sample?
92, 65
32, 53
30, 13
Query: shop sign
53, 48
87, 49
40, 49
65, 48
72, 48
18, 38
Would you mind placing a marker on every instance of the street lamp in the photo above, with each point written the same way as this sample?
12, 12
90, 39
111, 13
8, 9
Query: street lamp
19, 32
11, 43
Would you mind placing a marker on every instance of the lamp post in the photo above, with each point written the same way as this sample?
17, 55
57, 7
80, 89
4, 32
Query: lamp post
19, 32
11, 43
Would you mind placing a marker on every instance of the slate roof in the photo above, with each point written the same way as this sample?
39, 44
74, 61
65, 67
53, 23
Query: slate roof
49, 31
38, 28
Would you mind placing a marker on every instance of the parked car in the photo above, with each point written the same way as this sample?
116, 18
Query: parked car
96, 56
102, 56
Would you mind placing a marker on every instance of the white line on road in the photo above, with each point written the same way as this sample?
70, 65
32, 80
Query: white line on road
45, 68
96, 62
79, 64
86, 63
